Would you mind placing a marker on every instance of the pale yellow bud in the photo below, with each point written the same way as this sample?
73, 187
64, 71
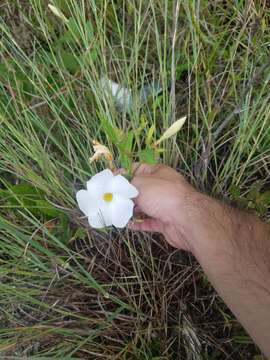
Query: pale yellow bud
173, 129
57, 12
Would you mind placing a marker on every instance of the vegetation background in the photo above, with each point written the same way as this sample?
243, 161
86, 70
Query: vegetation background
69, 292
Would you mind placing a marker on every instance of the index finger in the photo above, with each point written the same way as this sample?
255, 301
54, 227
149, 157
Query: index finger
144, 169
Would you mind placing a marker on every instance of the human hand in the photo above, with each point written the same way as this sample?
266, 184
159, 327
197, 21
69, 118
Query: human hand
168, 203
232, 246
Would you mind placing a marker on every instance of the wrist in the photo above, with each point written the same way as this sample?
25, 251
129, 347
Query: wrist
191, 219
204, 220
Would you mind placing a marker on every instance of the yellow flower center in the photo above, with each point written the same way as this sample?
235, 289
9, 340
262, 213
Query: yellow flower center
108, 197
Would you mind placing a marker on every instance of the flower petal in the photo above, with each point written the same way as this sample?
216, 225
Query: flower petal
95, 220
122, 211
101, 217
86, 201
97, 182
106, 213
121, 186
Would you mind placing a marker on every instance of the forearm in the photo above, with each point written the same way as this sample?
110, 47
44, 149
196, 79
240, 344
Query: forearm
233, 247
234, 250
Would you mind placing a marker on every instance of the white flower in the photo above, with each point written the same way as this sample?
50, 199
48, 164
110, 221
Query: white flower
121, 95
107, 200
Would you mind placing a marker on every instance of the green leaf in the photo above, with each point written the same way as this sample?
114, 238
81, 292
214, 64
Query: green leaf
3, 194
15, 77
150, 134
254, 192
30, 198
63, 59
180, 68
70, 61
77, 33
80, 234
24, 189
89, 56
148, 156
125, 149
129, 142
110, 130
235, 192
261, 208
64, 230
4, 73
45, 208
265, 198
125, 161
20, 194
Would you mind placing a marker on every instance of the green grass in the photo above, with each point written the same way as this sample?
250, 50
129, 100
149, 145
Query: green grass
68, 292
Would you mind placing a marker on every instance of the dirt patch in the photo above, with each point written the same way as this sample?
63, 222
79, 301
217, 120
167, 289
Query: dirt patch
12, 14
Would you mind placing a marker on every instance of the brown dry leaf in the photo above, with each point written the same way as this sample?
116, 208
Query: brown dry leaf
101, 152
